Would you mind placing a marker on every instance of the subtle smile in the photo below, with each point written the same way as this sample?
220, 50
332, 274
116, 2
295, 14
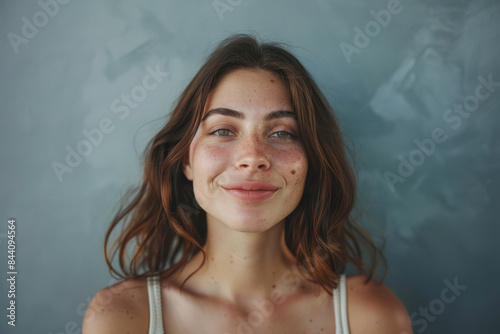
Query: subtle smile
250, 195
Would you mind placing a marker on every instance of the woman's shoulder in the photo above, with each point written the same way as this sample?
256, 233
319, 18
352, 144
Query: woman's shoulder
119, 308
373, 308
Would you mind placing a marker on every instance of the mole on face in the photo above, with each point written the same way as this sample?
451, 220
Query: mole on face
272, 80
293, 171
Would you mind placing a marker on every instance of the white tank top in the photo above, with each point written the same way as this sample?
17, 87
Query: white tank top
155, 314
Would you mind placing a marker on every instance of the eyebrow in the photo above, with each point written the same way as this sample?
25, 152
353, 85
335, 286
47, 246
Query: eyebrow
237, 114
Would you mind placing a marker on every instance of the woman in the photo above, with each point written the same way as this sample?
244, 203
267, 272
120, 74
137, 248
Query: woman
243, 220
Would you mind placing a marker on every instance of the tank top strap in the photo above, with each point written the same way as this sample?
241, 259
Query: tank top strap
155, 314
340, 306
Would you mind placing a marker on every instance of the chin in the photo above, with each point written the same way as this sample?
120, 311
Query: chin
249, 228
250, 223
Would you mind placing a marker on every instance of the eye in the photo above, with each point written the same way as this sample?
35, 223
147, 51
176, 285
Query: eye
225, 132
288, 135
281, 135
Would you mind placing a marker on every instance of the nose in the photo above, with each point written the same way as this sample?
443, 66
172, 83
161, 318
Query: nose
252, 154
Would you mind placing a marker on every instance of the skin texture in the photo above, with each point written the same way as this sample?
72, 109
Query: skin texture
248, 263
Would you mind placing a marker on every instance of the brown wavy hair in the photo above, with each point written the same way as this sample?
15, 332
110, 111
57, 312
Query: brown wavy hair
169, 226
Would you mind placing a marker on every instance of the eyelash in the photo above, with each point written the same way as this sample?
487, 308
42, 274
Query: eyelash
290, 136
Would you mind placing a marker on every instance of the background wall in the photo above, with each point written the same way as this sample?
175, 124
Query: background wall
428, 167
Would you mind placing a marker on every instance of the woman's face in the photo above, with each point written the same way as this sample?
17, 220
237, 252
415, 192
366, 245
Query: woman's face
248, 135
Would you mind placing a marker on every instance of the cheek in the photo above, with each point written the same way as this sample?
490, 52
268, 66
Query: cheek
209, 157
296, 168
208, 163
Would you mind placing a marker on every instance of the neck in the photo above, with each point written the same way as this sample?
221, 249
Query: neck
242, 267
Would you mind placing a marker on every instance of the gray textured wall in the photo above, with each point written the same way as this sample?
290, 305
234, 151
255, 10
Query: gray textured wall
397, 85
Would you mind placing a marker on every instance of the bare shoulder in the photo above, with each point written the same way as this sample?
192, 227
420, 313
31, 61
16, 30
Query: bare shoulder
119, 308
373, 308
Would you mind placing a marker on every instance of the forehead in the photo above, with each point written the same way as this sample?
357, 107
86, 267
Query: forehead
249, 90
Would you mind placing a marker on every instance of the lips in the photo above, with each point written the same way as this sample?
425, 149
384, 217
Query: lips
251, 191
250, 185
